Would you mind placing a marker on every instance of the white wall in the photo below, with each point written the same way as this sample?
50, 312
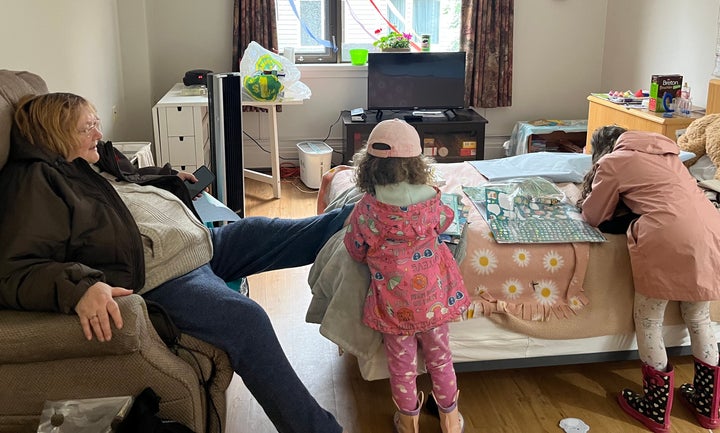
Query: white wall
185, 35
135, 55
646, 37
128, 53
72, 44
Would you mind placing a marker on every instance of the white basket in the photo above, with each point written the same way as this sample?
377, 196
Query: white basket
315, 160
139, 153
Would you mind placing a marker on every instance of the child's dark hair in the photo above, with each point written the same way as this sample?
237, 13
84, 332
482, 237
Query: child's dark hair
603, 141
372, 171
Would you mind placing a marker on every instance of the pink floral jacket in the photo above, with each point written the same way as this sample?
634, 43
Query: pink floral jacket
415, 282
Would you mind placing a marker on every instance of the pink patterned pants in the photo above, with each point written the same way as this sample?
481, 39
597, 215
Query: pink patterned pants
401, 353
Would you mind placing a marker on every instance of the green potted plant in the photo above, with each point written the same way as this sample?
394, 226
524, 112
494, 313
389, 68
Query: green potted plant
393, 41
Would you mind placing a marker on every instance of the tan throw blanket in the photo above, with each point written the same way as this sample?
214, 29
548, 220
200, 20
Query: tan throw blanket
530, 281
594, 296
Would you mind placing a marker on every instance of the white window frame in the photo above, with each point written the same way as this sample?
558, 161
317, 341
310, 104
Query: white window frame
335, 17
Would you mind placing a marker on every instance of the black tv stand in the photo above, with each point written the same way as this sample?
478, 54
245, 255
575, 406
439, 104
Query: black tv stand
453, 136
411, 118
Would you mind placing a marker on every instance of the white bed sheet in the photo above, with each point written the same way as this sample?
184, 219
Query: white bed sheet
477, 340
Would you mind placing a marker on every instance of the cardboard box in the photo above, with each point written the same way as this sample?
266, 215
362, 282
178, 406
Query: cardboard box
659, 86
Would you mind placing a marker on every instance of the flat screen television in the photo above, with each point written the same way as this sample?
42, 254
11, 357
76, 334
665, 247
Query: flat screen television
416, 81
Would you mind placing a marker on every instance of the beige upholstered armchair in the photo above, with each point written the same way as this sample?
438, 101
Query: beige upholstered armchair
44, 356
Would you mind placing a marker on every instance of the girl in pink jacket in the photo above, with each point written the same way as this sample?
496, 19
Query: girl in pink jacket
416, 287
674, 246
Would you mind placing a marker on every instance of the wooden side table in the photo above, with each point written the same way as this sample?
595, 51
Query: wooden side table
602, 112
713, 98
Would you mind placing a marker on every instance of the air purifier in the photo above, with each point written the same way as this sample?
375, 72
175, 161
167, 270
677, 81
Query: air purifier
315, 159
225, 118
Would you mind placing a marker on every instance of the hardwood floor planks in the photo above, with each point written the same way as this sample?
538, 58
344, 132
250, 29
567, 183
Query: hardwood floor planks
530, 400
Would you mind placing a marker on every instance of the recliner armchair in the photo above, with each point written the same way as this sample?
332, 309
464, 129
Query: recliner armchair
45, 356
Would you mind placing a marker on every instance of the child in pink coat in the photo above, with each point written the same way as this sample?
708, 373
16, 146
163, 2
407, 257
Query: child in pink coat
674, 246
416, 287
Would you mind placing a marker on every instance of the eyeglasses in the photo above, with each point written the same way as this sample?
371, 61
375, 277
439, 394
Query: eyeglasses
90, 126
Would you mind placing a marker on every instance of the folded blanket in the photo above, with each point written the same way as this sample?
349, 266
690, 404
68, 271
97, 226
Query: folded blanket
338, 299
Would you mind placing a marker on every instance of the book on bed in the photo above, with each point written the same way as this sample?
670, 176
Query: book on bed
530, 210
543, 223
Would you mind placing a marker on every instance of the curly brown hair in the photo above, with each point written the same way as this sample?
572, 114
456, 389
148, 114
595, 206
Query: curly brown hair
372, 171
603, 141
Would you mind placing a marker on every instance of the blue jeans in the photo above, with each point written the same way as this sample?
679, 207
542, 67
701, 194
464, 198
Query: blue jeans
203, 306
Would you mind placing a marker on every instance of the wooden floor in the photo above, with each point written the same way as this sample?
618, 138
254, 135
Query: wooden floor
532, 400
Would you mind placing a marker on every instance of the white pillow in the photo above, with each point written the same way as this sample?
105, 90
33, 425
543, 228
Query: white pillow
554, 166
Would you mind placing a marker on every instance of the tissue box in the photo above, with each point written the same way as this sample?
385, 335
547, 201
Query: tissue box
661, 84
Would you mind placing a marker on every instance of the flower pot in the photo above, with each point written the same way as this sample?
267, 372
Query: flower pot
396, 50
358, 56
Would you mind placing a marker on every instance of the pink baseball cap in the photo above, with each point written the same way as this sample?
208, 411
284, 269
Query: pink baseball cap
401, 138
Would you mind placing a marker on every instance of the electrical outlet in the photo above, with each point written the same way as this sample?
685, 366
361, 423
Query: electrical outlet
115, 112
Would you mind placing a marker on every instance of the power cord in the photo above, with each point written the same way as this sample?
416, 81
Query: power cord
290, 173
292, 159
330, 131
262, 148
289, 170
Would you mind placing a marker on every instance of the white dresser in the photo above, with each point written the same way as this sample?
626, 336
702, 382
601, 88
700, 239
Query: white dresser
180, 126
182, 134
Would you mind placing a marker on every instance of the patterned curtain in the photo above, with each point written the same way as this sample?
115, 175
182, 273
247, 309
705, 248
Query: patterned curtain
253, 20
486, 35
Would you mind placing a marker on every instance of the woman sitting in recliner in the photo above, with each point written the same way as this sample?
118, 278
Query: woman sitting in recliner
74, 239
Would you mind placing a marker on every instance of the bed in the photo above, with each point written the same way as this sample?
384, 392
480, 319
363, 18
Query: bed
584, 316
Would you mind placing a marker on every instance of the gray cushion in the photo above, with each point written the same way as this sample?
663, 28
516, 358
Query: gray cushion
13, 86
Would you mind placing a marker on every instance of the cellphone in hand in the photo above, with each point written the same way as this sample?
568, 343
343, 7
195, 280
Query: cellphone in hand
205, 178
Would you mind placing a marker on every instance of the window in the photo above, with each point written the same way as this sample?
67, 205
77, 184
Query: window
314, 27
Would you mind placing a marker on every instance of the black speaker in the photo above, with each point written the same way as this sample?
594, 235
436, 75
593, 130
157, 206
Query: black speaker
196, 77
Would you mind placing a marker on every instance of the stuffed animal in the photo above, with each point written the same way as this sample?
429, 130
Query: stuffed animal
703, 137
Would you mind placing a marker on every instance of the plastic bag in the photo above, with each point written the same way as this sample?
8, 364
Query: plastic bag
91, 415
502, 197
534, 189
270, 77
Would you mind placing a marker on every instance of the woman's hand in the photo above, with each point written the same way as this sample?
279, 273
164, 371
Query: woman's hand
184, 175
96, 307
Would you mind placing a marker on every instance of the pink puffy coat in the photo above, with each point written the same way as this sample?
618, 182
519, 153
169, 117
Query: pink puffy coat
675, 243
415, 282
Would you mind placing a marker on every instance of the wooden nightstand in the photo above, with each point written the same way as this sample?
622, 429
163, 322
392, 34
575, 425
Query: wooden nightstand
602, 112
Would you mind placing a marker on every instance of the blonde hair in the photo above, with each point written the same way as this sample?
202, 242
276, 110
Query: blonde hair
49, 120
372, 171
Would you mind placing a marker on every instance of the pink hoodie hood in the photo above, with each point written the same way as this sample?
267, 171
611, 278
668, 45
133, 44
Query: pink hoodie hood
646, 142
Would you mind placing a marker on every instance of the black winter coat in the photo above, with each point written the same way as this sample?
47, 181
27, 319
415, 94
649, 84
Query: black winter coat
63, 227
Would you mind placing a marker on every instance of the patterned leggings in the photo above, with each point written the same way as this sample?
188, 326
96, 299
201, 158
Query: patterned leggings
649, 314
401, 352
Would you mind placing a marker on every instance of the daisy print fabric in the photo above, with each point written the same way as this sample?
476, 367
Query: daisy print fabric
538, 282
534, 282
